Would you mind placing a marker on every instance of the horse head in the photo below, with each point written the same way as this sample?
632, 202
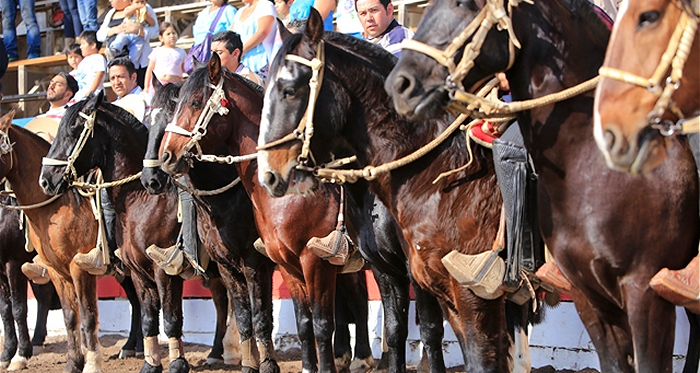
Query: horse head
302, 102
162, 111
202, 108
648, 86
434, 62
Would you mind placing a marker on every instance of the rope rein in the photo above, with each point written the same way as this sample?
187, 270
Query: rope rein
199, 192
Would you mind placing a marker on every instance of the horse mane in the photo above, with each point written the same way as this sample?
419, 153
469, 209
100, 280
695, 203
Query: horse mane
585, 12
202, 75
376, 55
123, 117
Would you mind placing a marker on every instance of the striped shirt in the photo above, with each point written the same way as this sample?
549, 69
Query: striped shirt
392, 37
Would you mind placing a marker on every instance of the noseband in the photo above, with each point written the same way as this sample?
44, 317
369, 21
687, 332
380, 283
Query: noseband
217, 104
305, 129
493, 13
669, 68
70, 174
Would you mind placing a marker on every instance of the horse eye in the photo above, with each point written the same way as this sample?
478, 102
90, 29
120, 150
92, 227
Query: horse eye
647, 18
196, 103
288, 91
470, 4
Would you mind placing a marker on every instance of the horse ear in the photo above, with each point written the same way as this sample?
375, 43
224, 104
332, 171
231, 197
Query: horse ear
6, 120
157, 85
284, 31
214, 68
314, 27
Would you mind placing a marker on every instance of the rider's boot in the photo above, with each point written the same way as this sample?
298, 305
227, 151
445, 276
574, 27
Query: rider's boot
182, 258
94, 261
550, 274
36, 271
681, 287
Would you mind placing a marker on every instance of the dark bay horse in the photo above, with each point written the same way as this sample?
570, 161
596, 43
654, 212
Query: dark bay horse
227, 231
609, 232
116, 146
287, 224
13, 293
60, 229
354, 117
630, 116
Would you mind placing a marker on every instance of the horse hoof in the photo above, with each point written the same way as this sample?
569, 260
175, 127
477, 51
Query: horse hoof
37, 350
342, 363
269, 366
362, 365
232, 361
4, 364
179, 365
124, 354
248, 370
18, 363
213, 360
148, 368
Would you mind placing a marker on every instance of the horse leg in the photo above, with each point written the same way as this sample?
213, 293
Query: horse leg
652, 321
304, 321
69, 304
612, 342
693, 354
150, 317
516, 321
45, 295
396, 300
320, 278
259, 281
134, 344
8, 322
432, 331
85, 286
238, 292
18, 289
220, 298
343, 319
170, 290
356, 299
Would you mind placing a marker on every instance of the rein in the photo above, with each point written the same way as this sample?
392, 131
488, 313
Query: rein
493, 13
305, 129
669, 68
198, 192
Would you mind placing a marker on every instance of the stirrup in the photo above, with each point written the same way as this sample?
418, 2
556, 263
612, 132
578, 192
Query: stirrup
91, 262
334, 248
173, 263
550, 274
481, 273
36, 272
679, 287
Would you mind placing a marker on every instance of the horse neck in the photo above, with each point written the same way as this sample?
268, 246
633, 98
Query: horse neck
555, 55
27, 152
244, 121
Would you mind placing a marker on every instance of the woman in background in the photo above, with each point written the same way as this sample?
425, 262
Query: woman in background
255, 23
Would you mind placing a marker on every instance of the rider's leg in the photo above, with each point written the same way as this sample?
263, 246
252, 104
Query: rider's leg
682, 287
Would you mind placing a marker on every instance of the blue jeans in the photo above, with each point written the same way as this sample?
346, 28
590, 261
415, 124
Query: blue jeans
72, 25
9, 32
88, 14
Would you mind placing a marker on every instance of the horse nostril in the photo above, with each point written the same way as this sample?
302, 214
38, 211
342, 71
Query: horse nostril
154, 185
165, 157
270, 179
43, 183
403, 84
609, 140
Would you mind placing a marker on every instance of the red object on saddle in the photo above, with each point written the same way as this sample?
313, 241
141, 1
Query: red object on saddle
483, 133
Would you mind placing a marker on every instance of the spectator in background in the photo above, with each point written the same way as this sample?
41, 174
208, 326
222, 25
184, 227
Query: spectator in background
113, 24
127, 44
60, 92
229, 47
202, 30
9, 30
282, 7
377, 17
255, 23
74, 56
72, 27
90, 73
87, 9
299, 10
346, 19
166, 61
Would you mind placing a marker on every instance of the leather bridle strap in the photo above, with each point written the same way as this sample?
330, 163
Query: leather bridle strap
70, 174
671, 68
305, 128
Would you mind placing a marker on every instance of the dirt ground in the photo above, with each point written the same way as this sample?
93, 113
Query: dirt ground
53, 359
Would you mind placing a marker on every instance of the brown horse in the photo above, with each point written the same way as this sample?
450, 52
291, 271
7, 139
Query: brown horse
60, 229
353, 117
630, 118
609, 232
287, 224
117, 146
13, 293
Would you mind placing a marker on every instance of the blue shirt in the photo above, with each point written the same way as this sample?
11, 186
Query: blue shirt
300, 9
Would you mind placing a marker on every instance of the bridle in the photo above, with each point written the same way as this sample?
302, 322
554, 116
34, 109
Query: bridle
70, 174
6, 146
217, 104
305, 129
670, 70
492, 14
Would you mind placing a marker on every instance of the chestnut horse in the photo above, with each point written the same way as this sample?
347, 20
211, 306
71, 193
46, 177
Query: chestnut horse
286, 225
13, 292
116, 146
247, 273
632, 122
353, 117
609, 232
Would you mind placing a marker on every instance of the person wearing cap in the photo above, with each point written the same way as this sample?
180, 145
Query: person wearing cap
59, 94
